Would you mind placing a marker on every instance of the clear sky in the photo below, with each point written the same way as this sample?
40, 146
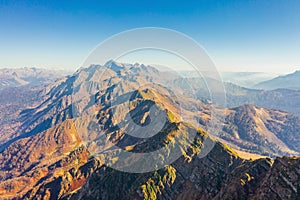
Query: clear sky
239, 35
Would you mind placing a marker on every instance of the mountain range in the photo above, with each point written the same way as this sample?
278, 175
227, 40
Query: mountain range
246, 79
59, 141
32, 76
289, 81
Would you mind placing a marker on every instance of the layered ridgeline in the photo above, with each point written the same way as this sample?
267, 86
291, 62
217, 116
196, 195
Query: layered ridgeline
246, 79
249, 128
50, 155
278, 99
289, 81
28, 76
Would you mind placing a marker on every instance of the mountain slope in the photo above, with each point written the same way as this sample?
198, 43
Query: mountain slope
220, 175
264, 131
49, 107
31, 165
37, 159
282, 181
187, 178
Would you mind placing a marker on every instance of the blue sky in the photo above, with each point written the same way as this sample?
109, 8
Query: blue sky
238, 35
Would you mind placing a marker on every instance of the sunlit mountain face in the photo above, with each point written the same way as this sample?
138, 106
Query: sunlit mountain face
132, 131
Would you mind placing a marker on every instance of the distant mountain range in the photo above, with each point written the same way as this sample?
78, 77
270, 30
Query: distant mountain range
10, 77
279, 99
246, 79
256, 80
243, 79
289, 81
51, 149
